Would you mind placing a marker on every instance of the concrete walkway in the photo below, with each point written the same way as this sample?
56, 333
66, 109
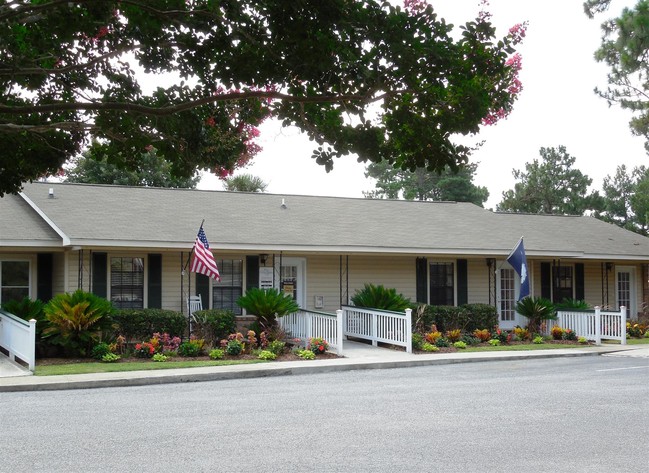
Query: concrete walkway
357, 356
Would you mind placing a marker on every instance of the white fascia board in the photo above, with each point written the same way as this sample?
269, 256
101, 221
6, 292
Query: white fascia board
47, 245
59, 232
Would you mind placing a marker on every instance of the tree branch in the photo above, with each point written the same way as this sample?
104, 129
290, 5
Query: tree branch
182, 107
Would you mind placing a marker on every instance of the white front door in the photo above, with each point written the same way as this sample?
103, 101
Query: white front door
506, 283
625, 290
292, 279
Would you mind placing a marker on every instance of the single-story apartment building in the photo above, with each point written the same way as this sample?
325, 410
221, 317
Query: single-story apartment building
132, 244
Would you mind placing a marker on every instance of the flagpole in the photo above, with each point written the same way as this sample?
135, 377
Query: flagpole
189, 286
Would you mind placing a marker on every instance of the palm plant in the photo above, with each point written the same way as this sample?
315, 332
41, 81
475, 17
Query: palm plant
267, 305
76, 320
537, 310
379, 297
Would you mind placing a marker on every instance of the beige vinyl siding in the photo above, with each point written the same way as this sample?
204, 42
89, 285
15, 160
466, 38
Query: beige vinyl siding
323, 279
593, 285
172, 281
390, 271
478, 281
58, 273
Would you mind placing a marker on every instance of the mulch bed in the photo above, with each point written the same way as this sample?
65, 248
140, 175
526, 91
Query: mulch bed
452, 349
285, 357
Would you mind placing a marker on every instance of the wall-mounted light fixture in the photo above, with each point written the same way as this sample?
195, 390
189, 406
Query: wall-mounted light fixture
263, 258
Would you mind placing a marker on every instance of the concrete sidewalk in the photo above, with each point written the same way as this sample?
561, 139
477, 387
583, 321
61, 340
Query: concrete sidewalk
357, 356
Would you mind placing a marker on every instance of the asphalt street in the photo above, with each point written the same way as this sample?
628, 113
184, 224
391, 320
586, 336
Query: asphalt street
532, 415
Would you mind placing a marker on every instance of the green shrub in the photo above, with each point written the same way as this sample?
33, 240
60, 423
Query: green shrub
99, 350
417, 341
191, 348
234, 347
425, 346
379, 297
75, 321
277, 347
441, 342
582, 340
494, 342
216, 354
28, 309
459, 344
159, 357
470, 339
537, 310
213, 325
110, 358
139, 324
267, 305
468, 317
267, 355
480, 316
568, 304
305, 354
538, 340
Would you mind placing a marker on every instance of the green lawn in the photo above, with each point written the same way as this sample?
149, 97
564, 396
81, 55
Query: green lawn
526, 347
629, 341
83, 368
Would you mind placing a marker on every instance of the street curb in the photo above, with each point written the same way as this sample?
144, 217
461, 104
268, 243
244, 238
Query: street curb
24, 384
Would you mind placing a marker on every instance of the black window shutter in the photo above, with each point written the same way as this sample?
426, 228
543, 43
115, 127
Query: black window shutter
421, 269
579, 282
252, 272
462, 282
100, 274
546, 281
44, 270
203, 289
155, 281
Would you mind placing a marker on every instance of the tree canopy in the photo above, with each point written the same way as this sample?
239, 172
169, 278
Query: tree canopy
359, 77
245, 183
625, 50
626, 199
551, 186
420, 184
151, 170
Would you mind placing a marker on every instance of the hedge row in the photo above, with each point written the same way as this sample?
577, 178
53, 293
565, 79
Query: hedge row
140, 324
468, 317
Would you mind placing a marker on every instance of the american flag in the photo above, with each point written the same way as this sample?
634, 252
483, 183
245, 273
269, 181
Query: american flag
203, 260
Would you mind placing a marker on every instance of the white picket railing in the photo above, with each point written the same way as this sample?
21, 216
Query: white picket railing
377, 326
18, 338
593, 324
306, 324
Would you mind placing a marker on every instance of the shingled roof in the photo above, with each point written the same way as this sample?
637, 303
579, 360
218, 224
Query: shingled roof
116, 216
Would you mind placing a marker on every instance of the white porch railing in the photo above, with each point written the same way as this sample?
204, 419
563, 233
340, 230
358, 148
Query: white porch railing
18, 338
383, 326
306, 324
593, 324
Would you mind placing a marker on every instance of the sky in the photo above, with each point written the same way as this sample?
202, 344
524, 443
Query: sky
556, 107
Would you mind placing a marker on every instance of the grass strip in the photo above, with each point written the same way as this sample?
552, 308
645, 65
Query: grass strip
85, 368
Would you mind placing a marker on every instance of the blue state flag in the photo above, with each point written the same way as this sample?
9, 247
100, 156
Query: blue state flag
518, 261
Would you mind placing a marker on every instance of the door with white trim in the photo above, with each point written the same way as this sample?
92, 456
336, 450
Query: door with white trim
625, 289
292, 279
507, 283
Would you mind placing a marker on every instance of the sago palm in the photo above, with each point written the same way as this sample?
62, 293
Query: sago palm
75, 320
537, 310
267, 305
